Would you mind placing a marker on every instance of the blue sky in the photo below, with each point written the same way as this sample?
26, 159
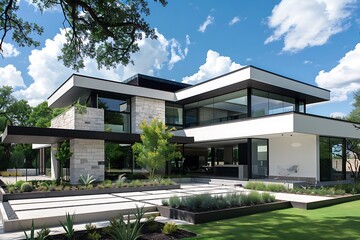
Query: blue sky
314, 41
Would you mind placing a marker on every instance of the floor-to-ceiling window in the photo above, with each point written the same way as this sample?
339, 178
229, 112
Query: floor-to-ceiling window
259, 158
218, 109
265, 103
332, 153
118, 159
116, 114
174, 115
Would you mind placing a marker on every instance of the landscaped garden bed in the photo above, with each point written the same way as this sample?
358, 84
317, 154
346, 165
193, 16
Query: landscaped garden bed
206, 208
138, 226
337, 190
41, 189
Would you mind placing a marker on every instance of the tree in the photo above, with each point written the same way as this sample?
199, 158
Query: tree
154, 149
62, 155
103, 30
353, 151
355, 113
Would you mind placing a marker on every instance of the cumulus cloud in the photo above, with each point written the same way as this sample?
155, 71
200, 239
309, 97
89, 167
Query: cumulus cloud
344, 78
48, 74
308, 23
8, 50
176, 52
215, 65
338, 115
234, 20
209, 20
10, 76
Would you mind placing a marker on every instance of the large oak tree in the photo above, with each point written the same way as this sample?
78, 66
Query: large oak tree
106, 31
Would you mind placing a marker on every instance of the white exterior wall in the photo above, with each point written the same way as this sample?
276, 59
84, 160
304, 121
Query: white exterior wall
88, 155
145, 108
288, 151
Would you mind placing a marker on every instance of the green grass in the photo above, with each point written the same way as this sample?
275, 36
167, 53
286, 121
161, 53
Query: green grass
336, 222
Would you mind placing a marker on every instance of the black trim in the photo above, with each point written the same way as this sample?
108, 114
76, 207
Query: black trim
17, 134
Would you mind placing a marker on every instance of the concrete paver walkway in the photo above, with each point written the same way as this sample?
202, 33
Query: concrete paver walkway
96, 205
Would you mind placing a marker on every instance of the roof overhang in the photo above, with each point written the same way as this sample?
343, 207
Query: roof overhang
252, 77
35, 135
77, 86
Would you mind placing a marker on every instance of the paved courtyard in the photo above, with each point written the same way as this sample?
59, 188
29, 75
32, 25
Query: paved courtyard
107, 204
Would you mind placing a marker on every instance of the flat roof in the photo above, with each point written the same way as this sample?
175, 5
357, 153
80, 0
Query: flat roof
151, 87
250, 76
78, 85
19, 134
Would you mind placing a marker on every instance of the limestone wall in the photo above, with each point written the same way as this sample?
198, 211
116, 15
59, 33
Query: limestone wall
145, 108
88, 155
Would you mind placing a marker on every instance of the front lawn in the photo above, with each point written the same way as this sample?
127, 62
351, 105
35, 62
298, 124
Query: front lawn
336, 222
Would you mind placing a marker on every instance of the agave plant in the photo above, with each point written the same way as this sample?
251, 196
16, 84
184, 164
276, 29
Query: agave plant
87, 180
121, 229
68, 226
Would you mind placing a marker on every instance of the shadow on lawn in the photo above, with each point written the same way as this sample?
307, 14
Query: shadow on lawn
282, 225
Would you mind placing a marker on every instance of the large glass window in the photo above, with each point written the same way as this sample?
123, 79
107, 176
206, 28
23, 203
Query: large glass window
265, 103
174, 115
331, 159
218, 109
259, 158
117, 114
118, 159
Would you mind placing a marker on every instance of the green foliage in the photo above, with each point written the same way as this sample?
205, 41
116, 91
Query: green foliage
169, 228
40, 115
43, 233
174, 202
273, 187
126, 230
154, 149
86, 180
63, 155
68, 226
107, 31
206, 202
26, 187
32, 232
19, 183
260, 186
121, 180
164, 202
92, 233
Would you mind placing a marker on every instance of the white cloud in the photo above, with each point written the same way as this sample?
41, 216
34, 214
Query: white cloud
10, 76
215, 65
188, 42
338, 115
234, 20
343, 79
8, 50
308, 23
248, 59
48, 73
307, 62
209, 20
176, 52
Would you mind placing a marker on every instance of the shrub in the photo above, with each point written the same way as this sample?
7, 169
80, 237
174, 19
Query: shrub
167, 182
121, 230
86, 180
26, 187
11, 189
260, 186
32, 232
121, 180
273, 187
267, 198
43, 233
174, 202
68, 226
165, 202
19, 183
169, 228
91, 232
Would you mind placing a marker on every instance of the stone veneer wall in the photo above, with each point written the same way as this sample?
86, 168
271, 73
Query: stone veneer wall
88, 155
145, 108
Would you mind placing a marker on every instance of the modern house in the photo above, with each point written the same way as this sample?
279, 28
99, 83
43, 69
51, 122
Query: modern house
246, 124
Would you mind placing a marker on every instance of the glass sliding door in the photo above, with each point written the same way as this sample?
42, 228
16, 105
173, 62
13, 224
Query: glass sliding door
332, 154
259, 158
